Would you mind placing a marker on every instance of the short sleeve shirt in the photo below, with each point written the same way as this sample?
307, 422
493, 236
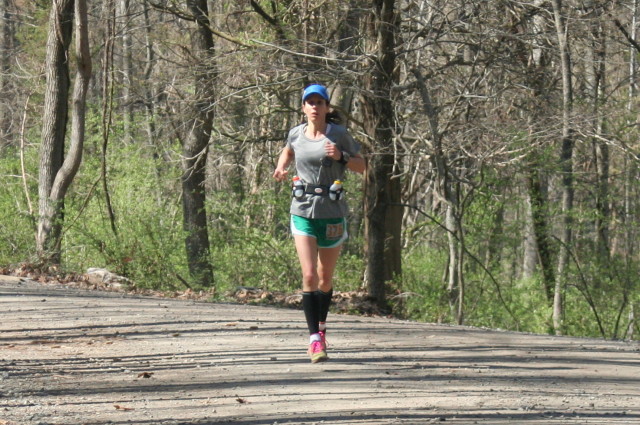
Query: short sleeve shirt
314, 167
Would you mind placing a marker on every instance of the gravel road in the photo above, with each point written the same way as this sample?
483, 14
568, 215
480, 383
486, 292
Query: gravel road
70, 356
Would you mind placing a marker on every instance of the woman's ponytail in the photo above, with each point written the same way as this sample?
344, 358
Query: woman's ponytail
333, 117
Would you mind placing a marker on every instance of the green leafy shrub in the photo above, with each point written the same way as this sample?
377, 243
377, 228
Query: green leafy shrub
17, 225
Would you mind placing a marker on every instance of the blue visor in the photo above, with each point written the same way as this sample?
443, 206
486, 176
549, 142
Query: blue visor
315, 89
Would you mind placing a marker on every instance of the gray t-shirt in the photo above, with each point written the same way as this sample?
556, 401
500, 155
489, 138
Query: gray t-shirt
314, 167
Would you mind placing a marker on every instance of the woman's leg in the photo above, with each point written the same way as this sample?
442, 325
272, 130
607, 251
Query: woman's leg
327, 260
307, 249
326, 266
318, 266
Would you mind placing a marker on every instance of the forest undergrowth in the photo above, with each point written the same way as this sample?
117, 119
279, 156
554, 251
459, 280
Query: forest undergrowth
255, 262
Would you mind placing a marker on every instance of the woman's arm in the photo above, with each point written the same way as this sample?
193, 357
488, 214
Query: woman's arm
356, 163
285, 159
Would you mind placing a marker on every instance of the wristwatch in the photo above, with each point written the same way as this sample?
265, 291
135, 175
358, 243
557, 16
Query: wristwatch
344, 158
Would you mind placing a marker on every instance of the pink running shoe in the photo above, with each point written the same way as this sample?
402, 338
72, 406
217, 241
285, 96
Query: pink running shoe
323, 337
317, 352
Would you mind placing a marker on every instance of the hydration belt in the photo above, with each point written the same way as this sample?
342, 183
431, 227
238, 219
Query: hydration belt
316, 189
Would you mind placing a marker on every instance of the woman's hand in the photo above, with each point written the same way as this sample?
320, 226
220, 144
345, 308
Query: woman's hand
280, 175
286, 156
332, 151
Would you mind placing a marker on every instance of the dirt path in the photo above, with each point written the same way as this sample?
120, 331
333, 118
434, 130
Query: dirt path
69, 356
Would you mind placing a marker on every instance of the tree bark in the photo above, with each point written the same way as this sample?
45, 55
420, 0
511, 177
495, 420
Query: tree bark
540, 229
530, 245
595, 75
343, 95
109, 12
538, 245
6, 47
566, 166
455, 290
127, 68
148, 84
630, 166
195, 149
447, 191
73, 159
378, 118
633, 62
54, 127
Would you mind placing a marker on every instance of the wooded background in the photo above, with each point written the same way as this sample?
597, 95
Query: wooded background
501, 138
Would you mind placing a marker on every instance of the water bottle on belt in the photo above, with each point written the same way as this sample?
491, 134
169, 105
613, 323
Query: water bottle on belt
298, 187
335, 190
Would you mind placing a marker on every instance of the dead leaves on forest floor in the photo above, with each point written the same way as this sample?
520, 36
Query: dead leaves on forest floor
355, 302
349, 302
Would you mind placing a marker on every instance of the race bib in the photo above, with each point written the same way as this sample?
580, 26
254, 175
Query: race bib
335, 231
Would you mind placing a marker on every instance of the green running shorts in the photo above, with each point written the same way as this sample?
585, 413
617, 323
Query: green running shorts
329, 232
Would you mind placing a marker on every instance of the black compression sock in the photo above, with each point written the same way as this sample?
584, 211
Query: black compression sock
310, 307
324, 302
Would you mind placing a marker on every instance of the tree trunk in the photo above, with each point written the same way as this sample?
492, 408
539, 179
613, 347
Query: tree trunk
109, 18
566, 167
530, 254
393, 228
448, 192
195, 149
6, 47
54, 127
127, 67
454, 288
595, 75
342, 98
342, 95
633, 62
538, 244
631, 174
148, 84
537, 198
73, 159
630, 166
378, 121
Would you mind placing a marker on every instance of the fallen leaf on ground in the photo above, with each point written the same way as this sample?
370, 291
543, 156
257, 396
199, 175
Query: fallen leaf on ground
124, 409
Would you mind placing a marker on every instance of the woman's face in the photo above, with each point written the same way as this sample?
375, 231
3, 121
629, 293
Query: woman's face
315, 107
